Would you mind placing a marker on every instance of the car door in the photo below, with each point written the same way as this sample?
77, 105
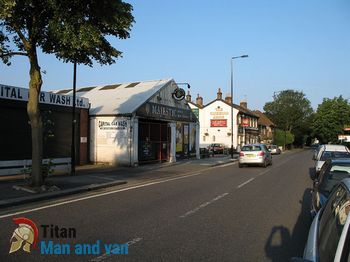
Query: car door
332, 222
267, 153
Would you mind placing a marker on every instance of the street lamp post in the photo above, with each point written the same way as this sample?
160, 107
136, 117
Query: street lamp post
73, 149
232, 58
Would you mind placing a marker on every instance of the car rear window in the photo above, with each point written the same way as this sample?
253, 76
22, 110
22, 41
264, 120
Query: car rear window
251, 148
334, 154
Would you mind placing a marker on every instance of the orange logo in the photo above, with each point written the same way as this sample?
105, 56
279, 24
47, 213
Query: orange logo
25, 235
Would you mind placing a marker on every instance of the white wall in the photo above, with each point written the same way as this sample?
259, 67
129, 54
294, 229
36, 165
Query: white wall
110, 140
218, 110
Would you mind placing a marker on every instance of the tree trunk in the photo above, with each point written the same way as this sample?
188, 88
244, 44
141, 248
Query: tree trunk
35, 118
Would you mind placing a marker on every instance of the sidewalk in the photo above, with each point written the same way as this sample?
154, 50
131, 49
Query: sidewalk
94, 177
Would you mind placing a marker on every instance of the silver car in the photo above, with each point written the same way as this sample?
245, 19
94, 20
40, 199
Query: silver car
255, 154
329, 233
330, 151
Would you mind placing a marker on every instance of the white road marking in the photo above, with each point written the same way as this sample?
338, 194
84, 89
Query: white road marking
101, 177
229, 164
246, 182
191, 212
105, 255
97, 195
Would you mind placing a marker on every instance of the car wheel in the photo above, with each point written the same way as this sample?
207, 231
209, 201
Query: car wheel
265, 163
271, 162
240, 165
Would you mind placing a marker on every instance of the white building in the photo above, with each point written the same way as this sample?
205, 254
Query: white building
133, 123
215, 121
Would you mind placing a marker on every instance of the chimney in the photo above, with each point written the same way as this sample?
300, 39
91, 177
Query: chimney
244, 104
199, 101
228, 99
188, 96
219, 94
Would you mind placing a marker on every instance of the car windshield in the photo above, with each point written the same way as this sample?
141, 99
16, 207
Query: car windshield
334, 154
251, 148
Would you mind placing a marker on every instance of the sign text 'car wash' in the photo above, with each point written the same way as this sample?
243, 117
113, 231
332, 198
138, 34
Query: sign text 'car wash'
22, 94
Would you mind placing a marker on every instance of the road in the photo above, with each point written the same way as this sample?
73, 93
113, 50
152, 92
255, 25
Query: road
221, 214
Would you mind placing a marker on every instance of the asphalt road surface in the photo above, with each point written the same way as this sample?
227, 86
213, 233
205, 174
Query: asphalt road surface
225, 213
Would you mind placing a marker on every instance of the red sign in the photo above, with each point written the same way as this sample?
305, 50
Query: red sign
245, 121
218, 122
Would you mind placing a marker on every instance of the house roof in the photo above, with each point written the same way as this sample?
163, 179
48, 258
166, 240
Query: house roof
118, 99
263, 119
239, 108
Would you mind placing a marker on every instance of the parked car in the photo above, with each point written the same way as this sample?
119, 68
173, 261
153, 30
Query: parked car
329, 233
216, 148
330, 151
316, 150
332, 172
257, 154
274, 149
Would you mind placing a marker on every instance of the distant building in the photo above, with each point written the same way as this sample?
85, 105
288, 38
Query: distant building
215, 121
140, 122
266, 128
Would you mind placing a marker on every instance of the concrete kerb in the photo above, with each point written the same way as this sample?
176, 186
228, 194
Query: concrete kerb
55, 194
49, 195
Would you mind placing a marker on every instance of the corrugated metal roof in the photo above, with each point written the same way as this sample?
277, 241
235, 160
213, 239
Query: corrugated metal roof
119, 99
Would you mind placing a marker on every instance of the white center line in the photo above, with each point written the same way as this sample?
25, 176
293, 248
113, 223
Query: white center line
246, 182
203, 205
105, 255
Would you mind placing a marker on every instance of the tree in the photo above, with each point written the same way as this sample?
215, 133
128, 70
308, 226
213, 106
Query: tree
290, 111
282, 138
75, 31
330, 118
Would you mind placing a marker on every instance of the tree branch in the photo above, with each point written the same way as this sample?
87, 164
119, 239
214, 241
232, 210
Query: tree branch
12, 54
24, 40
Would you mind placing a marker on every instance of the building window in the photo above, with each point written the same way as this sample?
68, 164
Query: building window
203, 138
213, 138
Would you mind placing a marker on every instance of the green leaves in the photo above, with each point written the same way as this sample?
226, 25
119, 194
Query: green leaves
75, 31
330, 118
289, 110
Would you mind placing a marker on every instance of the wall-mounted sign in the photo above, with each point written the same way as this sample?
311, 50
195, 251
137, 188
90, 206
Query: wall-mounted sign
162, 112
179, 94
22, 94
345, 138
219, 114
218, 122
112, 125
245, 122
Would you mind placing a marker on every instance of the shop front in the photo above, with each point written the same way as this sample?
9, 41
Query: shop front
161, 124
56, 114
141, 122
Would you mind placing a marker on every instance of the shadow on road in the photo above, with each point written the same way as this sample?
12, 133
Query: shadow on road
282, 244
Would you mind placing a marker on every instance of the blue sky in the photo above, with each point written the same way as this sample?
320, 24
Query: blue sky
301, 45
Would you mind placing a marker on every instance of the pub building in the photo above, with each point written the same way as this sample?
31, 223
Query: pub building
56, 114
140, 122
216, 121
